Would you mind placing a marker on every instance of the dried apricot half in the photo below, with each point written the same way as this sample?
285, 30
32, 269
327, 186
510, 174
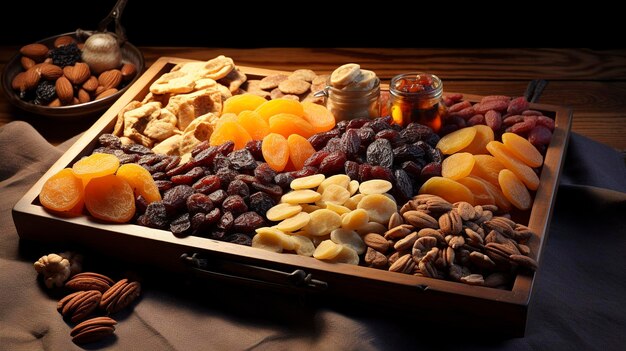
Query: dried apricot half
62, 192
95, 165
275, 150
110, 198
140, 180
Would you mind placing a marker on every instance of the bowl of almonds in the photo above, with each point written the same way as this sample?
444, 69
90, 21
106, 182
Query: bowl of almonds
71, 75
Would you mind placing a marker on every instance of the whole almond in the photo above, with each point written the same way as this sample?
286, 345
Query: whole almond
55, 103
63, 40
106, 93
64, 89
91, 84
18, 82
83, 96
128, 71
110, 79
78, 73
31, 78
27, 62
50, 71
99, 90
37, 52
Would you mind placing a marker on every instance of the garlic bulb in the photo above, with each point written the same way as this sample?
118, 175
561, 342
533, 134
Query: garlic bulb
102, 52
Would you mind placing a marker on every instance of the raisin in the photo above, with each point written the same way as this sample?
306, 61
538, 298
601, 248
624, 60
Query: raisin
365, 171
163, 185
390, 134
319, 140
155, 215
128, 158
350, 142
316, 159
246, 178
274, 190
367, 135
199, 203
110, 140
242, 160
254, 147
238, 187
403, 188
189, 177
226, 176
141, 204
66, 55
136, 149
432, 169
282, 179
218, 235
174, 162
351, 169
260, 202
150, 159
203, 145
180, 169
226, 148
304, 172
239, 238
384, 173
380, 153
436, 155
341, 126
415, 132
333, 144
234, 204
207, 184
407, 152
248, 222
206, 156
181, 225
264, 173
176, 197
412, 169
220, 161
432, 140
213, 216
227, 221
357, 123
333, 163
218, 197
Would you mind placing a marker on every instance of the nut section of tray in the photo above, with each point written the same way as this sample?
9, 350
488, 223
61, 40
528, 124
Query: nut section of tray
446, 301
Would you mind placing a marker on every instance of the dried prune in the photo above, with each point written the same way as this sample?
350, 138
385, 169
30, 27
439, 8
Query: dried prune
239, 238
238, 187
407, 152
274, 190
350, 142
380, 153
155, 215
264, 173
260, 202
227, 221
248, 222
333, 163
432, 169
317, 158
234, 204
412, 169
403, 188
226, 176
366, 135
365, 171
254, 146
357, 123
181, 225
213, 216
218, 197
319, 140
377, 124
136, 149
199, 203
415, 132
242, 160
283, 180
199, 223
141, 204
384, 173
163, 185
351, 169
176, 197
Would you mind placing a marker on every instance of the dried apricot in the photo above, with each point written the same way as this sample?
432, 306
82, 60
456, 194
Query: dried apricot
482, 196
458, 165
140, 180
254, 124
275, 151
226, 117
456, 141
487, 168
519, 168
501, 201
95, 165
514, 190
276, 106
483, 136
449, 189
228, 131
62, 192
244, 102
522, 148
287, 124
300, 149
110, 198
318, 116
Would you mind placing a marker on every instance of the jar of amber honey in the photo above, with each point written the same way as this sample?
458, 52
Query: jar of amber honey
416, 97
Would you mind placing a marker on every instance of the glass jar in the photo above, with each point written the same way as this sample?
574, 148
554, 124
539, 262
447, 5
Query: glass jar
347, 104
416, 97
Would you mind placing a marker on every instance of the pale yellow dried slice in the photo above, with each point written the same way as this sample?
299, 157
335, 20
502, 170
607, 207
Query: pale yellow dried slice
456, 141
301, 196
317, 240
272, 236
375, 186
379, 207
353, 187
346, 255
268, 242
348, 238
308, 208
323, 222
352, 202
309, 182
355, 219
371, 227
457, 166
338, 179
294, 223
327, 250
336, 194
337, 208
282, 211
303, 245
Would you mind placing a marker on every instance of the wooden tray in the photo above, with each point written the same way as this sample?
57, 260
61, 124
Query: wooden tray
440, 300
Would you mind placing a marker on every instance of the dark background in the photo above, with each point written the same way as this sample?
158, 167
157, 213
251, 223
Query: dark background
322, 24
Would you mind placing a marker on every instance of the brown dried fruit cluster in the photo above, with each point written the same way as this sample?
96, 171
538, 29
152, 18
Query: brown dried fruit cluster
95, 292
301, 85
73, 84
434, 238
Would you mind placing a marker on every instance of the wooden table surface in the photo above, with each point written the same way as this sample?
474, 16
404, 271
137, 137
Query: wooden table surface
591, 82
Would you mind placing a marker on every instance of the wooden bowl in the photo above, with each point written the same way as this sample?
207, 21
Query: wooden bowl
130, 54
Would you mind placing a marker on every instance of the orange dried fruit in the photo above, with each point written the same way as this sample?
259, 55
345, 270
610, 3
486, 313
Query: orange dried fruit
514, 190
244, 102
484, 134
140, 180
318, 116
300, 149
95, 165
512, 163
501, 201
448, 189
487, 168
62, 192
226, 117
228, 131
456, 141
274, 107
110, 198
275, 150
286, 124
482, 195
522, 148
254, 124
457, 166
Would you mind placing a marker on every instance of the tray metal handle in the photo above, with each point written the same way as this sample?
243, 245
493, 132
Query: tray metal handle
253, 275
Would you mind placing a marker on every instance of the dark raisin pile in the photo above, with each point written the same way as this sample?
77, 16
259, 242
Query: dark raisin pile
66, 55
45, 93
